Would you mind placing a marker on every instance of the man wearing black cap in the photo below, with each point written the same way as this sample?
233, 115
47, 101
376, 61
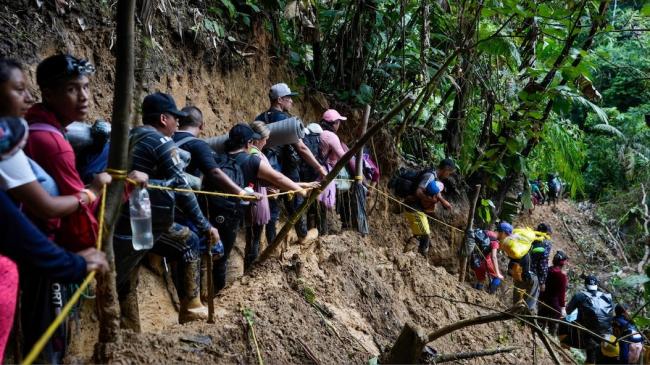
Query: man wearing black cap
155, 153
595, 313
286, 158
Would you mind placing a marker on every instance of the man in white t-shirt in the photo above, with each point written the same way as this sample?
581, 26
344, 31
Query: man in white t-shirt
14, 165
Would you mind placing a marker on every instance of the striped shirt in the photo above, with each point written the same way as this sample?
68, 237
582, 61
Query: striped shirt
157, 156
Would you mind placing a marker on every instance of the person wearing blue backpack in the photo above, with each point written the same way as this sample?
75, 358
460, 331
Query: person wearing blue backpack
422, 191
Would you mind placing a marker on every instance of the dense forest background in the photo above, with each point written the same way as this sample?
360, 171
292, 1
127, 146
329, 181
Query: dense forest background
511, 90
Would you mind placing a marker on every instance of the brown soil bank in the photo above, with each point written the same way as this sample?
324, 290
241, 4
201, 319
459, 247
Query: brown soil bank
344, 302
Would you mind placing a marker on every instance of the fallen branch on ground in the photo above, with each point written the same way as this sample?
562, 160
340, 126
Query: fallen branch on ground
411, 341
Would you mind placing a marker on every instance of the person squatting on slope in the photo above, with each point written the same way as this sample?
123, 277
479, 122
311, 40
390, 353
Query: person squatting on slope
630, 340
426, 194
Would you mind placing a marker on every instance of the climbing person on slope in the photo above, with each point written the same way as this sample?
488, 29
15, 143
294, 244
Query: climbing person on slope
553, 298
595, 313
485, 262
540, 253
520, 268
629, 339
423, 198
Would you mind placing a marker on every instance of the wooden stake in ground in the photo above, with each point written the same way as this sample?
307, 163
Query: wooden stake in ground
109, 313
332, 175
464, 255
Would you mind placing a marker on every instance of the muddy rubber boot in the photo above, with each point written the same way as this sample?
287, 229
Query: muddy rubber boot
191, 307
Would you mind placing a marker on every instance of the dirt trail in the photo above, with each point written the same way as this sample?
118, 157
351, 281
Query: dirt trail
367, 287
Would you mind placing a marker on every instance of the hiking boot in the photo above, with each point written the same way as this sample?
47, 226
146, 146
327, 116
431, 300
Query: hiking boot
191, 308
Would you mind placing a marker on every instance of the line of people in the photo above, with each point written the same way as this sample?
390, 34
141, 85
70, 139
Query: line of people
49, 212
588, 321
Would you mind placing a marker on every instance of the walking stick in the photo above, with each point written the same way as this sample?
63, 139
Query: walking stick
210, 286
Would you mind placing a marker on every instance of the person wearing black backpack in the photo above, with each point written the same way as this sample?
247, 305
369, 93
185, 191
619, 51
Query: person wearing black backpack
246, 170
485, 262
595, 313
422, 191
540, 253
286, 159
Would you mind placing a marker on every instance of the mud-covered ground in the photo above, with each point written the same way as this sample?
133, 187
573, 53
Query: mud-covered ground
344, 300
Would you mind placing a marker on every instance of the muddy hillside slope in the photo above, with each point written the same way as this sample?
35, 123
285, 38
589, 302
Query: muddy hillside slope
343, 298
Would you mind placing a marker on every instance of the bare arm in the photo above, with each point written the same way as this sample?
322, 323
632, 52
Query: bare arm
40, 203
277, 179
306, 155
495, 262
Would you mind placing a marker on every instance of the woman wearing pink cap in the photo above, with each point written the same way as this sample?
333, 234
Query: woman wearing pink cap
332, 150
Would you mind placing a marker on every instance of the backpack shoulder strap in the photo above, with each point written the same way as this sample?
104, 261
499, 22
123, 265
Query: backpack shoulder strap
185, 140
45, 128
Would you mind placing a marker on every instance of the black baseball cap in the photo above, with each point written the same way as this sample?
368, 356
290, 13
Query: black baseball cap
160, 103
241, 133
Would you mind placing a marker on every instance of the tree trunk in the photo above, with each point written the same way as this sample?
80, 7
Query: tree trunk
117, 160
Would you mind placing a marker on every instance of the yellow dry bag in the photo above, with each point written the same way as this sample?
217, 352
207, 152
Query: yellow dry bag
520, 241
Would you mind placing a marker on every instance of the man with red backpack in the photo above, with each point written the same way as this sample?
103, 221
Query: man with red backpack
484, 260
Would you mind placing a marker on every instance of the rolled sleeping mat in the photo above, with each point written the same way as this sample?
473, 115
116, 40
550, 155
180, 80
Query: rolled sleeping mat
287, 131
79, 135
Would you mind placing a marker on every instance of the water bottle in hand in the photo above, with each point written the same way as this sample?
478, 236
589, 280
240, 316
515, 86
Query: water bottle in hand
140, 209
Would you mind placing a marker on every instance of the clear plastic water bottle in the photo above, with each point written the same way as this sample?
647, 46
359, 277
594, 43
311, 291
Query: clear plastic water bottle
249, 191
140, 209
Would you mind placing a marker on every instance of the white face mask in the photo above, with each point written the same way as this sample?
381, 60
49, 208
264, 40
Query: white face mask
19, 146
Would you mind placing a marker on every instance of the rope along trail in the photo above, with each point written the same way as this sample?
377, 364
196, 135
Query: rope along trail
65, 311
45, 337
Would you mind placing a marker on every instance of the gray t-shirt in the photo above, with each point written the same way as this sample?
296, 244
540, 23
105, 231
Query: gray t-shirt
426, 179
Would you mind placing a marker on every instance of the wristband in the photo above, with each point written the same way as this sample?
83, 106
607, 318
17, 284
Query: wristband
91, 196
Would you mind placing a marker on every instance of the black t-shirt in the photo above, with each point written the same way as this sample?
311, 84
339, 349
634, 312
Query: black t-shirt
250, 168
203, 157
272, 116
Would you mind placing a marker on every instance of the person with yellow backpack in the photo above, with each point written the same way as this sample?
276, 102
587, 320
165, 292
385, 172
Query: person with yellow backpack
517, 243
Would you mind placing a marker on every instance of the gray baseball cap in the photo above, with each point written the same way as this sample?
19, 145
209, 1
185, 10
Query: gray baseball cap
280, 90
